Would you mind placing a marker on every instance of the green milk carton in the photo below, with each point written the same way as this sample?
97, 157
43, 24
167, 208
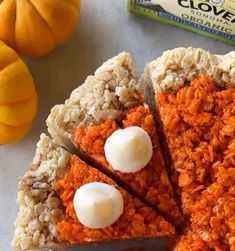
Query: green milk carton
212, 18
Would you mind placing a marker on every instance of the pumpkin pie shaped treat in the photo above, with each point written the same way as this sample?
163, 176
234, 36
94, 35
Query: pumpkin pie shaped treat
195, 102
195, 105
64, 202
107, 120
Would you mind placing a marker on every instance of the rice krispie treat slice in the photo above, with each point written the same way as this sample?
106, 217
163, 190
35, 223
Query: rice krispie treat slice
137, 221
195, 102
108, 101
47, 218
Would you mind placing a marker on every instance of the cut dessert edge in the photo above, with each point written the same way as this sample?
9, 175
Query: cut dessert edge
150, 101
108, 101
174, 70
176, 67
169, 77
37, 200
42, 209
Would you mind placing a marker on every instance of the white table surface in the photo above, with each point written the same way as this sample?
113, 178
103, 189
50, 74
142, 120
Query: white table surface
105, 28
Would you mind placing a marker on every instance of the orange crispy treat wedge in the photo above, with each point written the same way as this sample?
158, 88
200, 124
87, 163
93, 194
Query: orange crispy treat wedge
137, 221
199, 124
150, 183
195, 102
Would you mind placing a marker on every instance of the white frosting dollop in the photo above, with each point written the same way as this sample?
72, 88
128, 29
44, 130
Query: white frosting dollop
129, 150
98, 205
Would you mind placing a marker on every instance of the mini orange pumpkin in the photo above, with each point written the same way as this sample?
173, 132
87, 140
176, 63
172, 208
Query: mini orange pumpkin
18, 98
35, 27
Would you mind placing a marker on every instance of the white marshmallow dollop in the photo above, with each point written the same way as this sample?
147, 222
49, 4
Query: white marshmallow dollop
129, 150
98, 205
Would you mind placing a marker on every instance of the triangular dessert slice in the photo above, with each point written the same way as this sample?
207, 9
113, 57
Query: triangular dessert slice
108, 101
47, 216
195, 102
137, 221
